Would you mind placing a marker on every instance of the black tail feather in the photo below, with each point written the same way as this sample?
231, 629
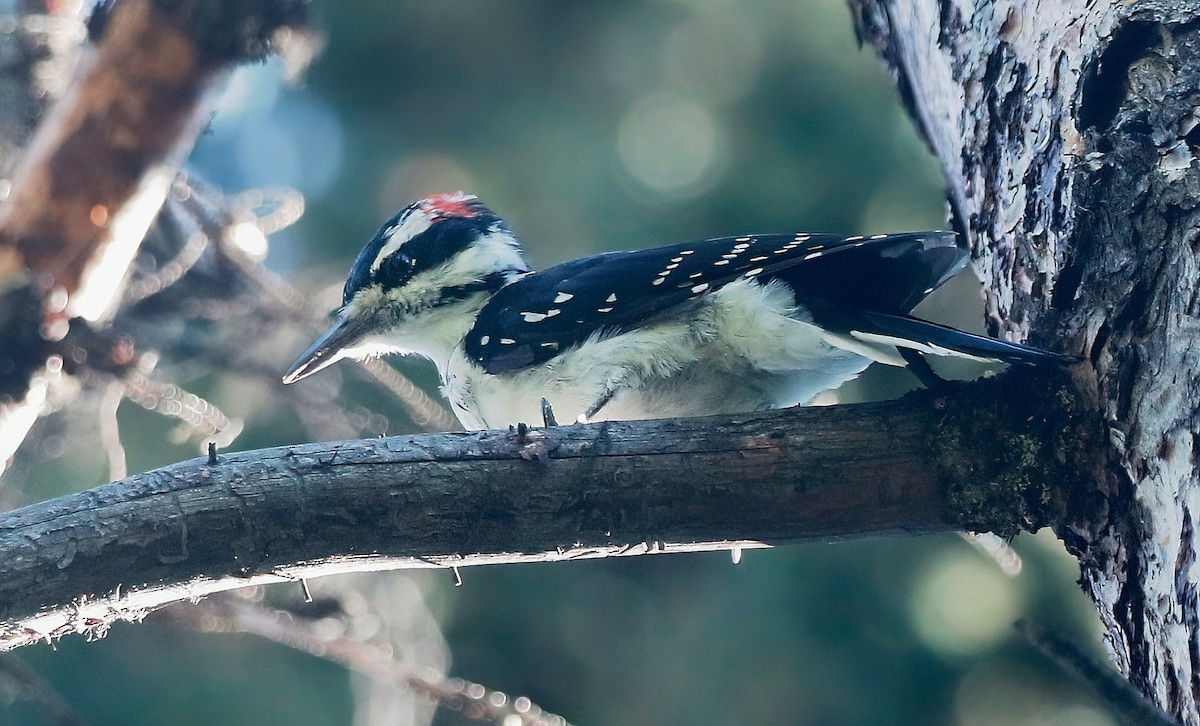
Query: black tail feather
932, 338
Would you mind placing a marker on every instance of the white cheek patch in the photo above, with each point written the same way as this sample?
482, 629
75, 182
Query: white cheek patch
496, 250
413, 224
424, 289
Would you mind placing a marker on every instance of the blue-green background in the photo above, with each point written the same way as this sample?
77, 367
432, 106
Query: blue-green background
592, 126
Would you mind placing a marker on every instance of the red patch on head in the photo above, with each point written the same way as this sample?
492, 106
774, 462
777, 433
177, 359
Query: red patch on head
451, 205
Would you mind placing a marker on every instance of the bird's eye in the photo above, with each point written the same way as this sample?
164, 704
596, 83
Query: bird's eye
396, 269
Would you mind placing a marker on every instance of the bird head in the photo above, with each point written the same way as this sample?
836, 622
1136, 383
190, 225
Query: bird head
418, 283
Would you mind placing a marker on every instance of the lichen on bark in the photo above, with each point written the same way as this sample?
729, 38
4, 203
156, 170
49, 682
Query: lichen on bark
1017, 464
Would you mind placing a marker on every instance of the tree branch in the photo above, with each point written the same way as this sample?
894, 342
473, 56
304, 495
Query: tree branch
97, 170
1001, 455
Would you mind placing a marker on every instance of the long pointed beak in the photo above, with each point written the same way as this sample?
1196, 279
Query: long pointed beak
329, 349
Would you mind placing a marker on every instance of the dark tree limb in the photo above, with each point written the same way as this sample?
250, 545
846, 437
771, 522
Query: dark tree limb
1126, 702
1001, 455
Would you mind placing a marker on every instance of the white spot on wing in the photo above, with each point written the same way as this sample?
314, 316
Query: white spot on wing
533, 317
484, 340
507, 341
552, 312
562, 297
611, 298
700, 288
604, 310
813, 255
755, 271
721, 262
659, 281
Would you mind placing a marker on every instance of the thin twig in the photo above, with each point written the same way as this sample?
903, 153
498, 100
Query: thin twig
471, 699
198, 415
425, 412
110, 430
18, 681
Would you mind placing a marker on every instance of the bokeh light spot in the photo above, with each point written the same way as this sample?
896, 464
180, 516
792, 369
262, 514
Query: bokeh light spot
670, 144
716, 55
247, 237
419, 176
964, 605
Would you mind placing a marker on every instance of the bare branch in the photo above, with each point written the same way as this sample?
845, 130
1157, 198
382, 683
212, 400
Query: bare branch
473, 700
995, 455
98, 168
96, 173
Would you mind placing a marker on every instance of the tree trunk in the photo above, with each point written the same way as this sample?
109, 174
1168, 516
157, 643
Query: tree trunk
1068, 132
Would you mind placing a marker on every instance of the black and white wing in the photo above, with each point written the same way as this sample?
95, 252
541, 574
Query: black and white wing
545, 313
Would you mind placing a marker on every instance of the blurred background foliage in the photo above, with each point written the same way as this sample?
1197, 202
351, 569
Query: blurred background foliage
593, 126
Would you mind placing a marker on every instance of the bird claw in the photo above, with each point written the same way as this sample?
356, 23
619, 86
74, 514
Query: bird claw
548, 414
532, 445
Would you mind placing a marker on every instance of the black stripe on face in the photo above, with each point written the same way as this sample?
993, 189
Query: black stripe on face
446, 237
491, 283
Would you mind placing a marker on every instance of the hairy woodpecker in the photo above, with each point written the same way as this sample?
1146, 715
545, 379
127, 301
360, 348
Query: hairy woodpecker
725, 325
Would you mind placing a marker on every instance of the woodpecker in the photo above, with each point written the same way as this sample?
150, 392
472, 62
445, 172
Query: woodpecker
725, 325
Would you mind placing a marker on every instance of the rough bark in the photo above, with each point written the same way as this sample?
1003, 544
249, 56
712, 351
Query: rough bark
979, 456
1067, 130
